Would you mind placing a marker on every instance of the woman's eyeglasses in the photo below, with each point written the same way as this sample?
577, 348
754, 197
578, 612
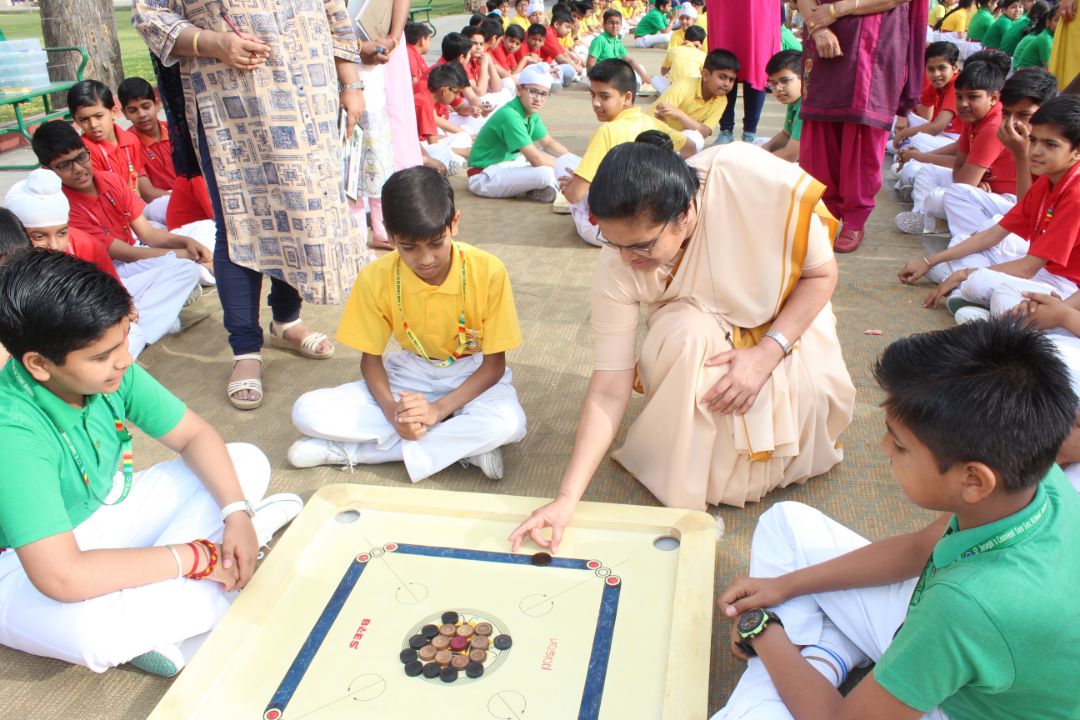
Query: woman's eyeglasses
640, 249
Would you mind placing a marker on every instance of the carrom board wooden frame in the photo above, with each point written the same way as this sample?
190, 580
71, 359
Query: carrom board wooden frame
218, 683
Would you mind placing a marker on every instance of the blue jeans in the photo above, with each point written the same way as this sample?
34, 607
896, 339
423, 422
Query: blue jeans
239, 287
753, 101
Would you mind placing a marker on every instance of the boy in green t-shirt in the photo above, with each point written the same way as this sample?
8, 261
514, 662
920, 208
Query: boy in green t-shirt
608, 45
969, 618
656, 27
94, 556
783, 70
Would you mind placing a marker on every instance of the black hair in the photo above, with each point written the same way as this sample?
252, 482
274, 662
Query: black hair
986, 75
694, 33
663, 188
784, 60
53, 303
1062, 113
1034, 83
562, 17
720, 59
415, 32
53, 139
963, 5
985, 3
492, 28
135, 88
470, 30
418, 204
657, 138
993, 391
659, 3
475, 19
609, 13
447, 75
560, 7
13, 238
536, 29
515, 31
89, 92
991, 55
493, 5
616, 72
454, 45
1039, 17
942, 49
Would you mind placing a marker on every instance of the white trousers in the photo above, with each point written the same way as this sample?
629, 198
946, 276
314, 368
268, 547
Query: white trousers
923, 142
516, 177
648, 41
348, 414
1001, 292
579, 211
928, 191
155, 209
1013, 247
967, 208
791, 536
159, 287
167, 504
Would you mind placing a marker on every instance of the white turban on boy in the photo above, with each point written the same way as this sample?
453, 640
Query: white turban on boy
39, 200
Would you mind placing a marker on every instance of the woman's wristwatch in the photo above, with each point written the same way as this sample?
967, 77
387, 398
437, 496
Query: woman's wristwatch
778, 336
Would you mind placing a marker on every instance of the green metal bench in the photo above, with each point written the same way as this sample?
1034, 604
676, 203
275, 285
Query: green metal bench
17, 100
415, 10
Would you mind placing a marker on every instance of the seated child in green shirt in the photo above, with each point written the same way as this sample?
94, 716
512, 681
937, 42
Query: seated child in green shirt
968, 618
784, 70
101, 565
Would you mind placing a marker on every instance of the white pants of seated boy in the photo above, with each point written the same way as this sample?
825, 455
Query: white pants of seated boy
167, 504
516, 177
579, 211
648, 41
443, 151
1013, 247
203, 232
348, 414
156, 210
159, 287
967, 208
853, 624
923, 142
471, 124
928, 189
1001, 292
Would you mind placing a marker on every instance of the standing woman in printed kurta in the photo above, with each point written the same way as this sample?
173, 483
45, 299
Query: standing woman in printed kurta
863, 65
745, 386
261, 84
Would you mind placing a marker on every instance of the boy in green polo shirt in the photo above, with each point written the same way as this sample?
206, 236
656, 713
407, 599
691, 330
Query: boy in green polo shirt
609, 45
784, 70
100, 565
514, 155
970, 618
656, 27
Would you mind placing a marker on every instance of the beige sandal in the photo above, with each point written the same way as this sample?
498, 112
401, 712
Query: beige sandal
305, 347
247, 384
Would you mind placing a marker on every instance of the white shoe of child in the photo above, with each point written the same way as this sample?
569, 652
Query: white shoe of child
206, 278
273, 513
163, 661
911, 222
546, 194
560, 205
490, 463
903, 193
312, 452
971, 313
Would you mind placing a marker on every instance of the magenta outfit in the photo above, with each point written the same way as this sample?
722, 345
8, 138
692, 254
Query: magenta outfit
748, 28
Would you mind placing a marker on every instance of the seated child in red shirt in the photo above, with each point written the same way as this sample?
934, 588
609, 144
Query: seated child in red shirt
935, 122
417, 43
440, 138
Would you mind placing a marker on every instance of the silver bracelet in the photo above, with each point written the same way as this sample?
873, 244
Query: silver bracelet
176, 557
358, 85
780, 340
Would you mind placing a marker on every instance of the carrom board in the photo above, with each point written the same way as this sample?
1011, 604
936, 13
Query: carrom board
617, 625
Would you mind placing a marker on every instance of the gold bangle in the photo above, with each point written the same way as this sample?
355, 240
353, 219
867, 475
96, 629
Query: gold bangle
832, 10
195, 42
855, 8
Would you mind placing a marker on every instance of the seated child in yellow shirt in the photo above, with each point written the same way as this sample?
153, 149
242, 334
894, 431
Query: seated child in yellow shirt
694, 105
683, 61
447, 397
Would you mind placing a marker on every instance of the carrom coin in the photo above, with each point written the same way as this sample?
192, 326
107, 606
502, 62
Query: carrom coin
458, 662
432, 670
429, 631
474, 670
448, 675
417, 641
448, 629
458, 644
427, 653
443, 657
503, 642
440, 642
450, 618
541, 559
465, 631
408, 655
480, 642
414, 668
478, 655
483, 628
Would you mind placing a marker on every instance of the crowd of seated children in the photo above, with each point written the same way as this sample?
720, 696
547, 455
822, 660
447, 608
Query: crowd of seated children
1015, 32
448, 395
982, 20
977, 158
693, 106
104, 565
952, 27
1037, 40
784, 70
656, 26
613, 88
934, 123
514, 155
682, 61
1010, 12
975, 417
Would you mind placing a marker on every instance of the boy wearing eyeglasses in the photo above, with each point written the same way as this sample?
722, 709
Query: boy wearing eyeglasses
784, 70
514, 155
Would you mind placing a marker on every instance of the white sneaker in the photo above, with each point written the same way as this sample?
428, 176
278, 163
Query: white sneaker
560, 205
206, 278
911, 222
312, 452
195, 296
545, 194
971, 313
490, 463
163, 661
273, 513
457, 165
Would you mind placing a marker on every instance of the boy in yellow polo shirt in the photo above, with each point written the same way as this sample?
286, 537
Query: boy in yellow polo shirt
447, 397
694, 105
614, 88
683, 61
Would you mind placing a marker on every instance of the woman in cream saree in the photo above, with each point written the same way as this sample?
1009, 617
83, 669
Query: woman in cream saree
741, 366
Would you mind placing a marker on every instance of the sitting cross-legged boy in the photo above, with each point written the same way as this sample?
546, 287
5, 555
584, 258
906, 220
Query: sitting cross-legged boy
785, 78
417, 41
1048, 218
656, 26
103, 565
935, 122
608, 45
537, 50
614, 89
441, 139
682, 61
695, 105
968, 618
514, 155
447, 397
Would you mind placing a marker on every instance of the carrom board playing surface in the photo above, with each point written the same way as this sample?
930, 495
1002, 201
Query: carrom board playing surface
617, 625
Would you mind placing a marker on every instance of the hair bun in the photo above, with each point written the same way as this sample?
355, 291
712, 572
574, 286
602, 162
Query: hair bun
656, 137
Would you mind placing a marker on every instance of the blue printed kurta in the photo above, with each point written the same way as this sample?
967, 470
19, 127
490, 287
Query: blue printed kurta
272, 134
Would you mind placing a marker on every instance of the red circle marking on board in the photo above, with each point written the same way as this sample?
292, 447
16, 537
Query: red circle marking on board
272, 714
390, 547
613, 580
363, 558
592, 564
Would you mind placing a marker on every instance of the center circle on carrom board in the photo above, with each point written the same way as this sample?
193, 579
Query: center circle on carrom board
366, 687
483, 656
537, 605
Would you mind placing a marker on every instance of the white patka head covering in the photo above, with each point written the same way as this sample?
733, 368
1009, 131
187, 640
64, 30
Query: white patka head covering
536, 74
535, 6
688, 11
38, 201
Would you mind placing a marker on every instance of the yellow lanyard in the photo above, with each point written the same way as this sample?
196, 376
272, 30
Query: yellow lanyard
463, 343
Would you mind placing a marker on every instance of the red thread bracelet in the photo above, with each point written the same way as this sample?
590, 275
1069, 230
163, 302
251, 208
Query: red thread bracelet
212, 553
195, 563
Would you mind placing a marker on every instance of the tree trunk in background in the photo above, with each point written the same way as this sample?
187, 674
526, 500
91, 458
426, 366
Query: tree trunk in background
89, 24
